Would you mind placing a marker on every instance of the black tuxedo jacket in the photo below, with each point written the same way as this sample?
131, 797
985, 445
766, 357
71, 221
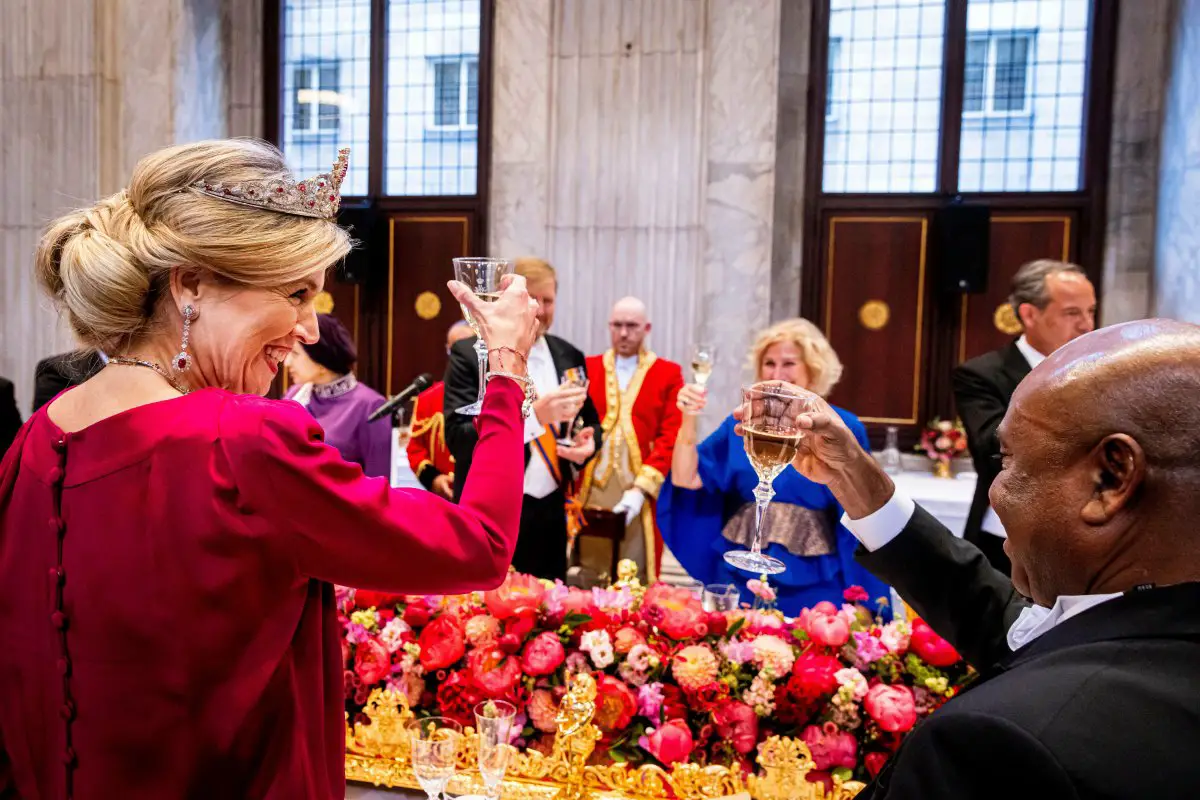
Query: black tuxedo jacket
1105, 705
983, 388
10, 417
62, 371
462, 379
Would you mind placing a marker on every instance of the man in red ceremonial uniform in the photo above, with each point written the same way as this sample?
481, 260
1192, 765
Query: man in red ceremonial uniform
428, 454
634, 391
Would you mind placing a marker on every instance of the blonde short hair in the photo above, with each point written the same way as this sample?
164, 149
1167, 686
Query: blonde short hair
107, 267
824, 367
535, 270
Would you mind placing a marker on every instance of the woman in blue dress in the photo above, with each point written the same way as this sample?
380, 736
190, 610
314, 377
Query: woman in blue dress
706, 506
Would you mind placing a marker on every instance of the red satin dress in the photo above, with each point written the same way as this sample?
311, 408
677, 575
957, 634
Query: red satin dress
167, 620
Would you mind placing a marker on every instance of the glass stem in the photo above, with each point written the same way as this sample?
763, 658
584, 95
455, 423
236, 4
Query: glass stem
762, 498
481, 353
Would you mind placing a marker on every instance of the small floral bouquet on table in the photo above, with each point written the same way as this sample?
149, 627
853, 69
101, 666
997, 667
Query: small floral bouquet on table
943, 441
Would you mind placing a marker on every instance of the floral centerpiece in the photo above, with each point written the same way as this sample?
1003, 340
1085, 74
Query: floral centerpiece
943, 441
675, 683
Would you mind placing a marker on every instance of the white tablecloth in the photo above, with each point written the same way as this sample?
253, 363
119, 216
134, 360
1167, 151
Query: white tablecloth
948, 499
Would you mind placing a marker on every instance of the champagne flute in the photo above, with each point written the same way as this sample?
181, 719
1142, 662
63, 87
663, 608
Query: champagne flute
703, 358
494, 720
434, 752
482, 276
575, 377
771, 434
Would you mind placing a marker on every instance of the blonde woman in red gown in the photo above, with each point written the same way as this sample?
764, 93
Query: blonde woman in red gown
169, 540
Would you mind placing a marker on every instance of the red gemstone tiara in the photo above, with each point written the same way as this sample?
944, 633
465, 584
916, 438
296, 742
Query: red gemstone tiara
318, 196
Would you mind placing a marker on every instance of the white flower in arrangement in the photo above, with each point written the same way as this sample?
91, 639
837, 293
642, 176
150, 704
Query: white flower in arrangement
413, 649
895, 636
761, 694
598, 645
390, 636
852, 680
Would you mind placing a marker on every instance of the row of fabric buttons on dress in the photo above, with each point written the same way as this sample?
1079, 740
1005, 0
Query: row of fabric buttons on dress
58, 575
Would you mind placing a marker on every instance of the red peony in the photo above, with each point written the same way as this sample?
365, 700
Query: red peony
442, 643
670, 744
816, 673
372, 663
417, 614
543, 655
812, 681
737, 723
893, 707
493, 671
380, 600
830, 746
874, 763
827, 630
626, 638
931, 648
615, 704
709, 697
522, 625
718, 623
457, 698
509, 643
518, 593
856, 594
674, 704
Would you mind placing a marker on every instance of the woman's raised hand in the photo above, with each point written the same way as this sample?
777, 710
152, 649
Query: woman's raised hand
510, 322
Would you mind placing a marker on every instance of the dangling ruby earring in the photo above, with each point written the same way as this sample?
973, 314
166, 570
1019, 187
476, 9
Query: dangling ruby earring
183, 361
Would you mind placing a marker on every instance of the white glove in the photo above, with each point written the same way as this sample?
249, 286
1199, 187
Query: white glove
630, 505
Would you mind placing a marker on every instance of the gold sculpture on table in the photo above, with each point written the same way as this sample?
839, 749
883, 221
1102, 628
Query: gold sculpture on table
577, 736
627, 578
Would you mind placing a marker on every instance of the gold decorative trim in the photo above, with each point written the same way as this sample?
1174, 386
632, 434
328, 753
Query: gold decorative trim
916, 388
650, 481
874, 314
428, 305
1005, 320
323, 303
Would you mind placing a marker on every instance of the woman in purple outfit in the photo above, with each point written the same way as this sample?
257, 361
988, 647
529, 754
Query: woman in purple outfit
323, 374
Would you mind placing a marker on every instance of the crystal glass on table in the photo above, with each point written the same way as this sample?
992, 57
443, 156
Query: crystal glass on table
482, 276
703, 358
771, 433
720, 597
494, 721
574, 377
435, 743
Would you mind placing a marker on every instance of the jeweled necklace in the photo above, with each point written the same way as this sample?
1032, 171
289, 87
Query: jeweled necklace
141, 362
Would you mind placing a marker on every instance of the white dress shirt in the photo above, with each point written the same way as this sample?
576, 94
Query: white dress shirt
881, 526
539, 482
991, 523
626, 366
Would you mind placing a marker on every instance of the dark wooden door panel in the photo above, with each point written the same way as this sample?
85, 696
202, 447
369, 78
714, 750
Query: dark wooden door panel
874, 313
986, 321
420, 308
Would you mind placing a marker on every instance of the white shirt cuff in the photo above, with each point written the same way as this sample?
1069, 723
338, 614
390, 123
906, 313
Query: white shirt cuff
533, 428
881, 526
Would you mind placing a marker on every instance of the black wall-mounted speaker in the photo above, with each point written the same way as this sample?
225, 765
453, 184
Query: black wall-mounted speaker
962, 234
363, 225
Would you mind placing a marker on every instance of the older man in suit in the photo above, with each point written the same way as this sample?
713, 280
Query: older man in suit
1088, 655
56, 373
1055, 303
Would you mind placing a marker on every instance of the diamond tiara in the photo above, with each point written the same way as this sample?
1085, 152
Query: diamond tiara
318, 196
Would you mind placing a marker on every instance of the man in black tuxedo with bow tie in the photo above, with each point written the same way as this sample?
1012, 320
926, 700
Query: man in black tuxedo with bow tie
1089, 656
550, 467
1055, 303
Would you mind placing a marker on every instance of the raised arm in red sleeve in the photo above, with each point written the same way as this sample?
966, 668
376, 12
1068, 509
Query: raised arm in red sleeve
348, 529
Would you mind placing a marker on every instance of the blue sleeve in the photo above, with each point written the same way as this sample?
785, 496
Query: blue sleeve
714, 462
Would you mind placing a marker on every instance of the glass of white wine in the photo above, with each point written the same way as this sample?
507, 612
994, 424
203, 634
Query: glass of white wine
771, 432
435, 743
494, 720
482, 276
703, 358
575, 377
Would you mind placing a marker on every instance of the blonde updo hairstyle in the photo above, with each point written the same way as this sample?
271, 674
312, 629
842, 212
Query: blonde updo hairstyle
824, 367
108, 267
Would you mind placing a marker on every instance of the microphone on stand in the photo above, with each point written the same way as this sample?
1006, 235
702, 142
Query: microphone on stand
419, 384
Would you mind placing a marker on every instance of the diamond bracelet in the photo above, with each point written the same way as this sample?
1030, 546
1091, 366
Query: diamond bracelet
524, 380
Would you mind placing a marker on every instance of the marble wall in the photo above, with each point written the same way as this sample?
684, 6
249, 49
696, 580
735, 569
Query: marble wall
88, 87
636, 146
1177, 268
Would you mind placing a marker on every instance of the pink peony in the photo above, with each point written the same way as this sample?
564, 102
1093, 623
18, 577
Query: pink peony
542, 711
694, 667
761, 589
626, 638
372, 662
895, 637
893, 707
824, 608
931, 648
830, 747
615, 704
828, 630
737, 723
518, 593
543, 654
670, 743
676, 612
493, 672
